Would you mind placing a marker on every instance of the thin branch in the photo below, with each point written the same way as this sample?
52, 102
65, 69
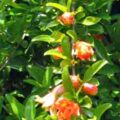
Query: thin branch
72, 42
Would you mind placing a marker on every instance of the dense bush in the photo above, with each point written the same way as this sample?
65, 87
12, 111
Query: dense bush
46, 52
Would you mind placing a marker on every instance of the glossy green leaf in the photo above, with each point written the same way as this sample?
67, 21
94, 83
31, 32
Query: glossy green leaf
96, 28
16, 106
101, 50
79, 9
55, 53
92, 70
41, 117
86, 102
43, 38
36, 72
66, 46
72, 34
67, 83
58, 6
94, 118
65, 63
100, 110
48, 76
69, 3
94, 81
52, 24
32, 82
90, 20
30, 109
58, 36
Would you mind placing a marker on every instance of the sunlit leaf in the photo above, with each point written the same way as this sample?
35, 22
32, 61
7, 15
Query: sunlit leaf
90, 20
79, 9
66, 46
48, 76
86, 102
16, 106
69, 3
99, 111
43, 38
58, 6
30, 109
55, 53
67, 83
72, 34
32, 82
92, 70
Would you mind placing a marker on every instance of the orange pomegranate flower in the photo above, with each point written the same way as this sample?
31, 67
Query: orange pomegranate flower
66, 109
83, 50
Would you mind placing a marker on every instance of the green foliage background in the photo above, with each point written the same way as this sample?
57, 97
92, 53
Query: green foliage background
28, 28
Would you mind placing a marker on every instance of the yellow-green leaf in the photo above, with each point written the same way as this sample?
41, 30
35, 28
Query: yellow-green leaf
90, 20
58, 6
44, 38
55, 53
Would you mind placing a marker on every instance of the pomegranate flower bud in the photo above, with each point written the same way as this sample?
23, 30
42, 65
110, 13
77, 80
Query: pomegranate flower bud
46, 101
67, 18
58, 90
90, 89
76, 81
49, 99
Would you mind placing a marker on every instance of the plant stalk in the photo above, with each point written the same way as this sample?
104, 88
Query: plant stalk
72, 42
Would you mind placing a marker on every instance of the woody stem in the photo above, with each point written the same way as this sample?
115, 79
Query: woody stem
72, 42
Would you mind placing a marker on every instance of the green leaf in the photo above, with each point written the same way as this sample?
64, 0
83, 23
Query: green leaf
48, 76
58, 36
58, 6
90, 20
94, 81
16, 106
66, 48
86, 102
43, 38
96, 29
110, 70
94, 118
55, 53
30, 109
33, 82
41, 117
92, 70
98, 112
72, 34
65, 63
1, 103
3, 3
18, 63
69, 3
52, 24
67, 83
79, 9
36, 72
101, 50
